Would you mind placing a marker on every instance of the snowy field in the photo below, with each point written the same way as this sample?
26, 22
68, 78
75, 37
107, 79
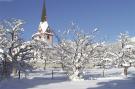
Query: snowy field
113, 79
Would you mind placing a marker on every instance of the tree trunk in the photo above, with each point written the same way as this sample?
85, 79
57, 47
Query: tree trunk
52, 74
130, 64
76, 74
103, 72
62, 65
5, 70
14, 71
44, 64
19, 74
125, 71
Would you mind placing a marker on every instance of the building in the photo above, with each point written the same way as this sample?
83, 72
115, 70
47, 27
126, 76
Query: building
44, 32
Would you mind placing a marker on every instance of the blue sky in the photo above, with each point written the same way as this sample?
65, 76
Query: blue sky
110, 16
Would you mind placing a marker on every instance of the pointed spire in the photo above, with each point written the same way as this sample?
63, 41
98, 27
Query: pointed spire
43, 18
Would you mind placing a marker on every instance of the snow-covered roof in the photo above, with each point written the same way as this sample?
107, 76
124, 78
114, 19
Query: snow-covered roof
126, 64
44, 26
107, 59
129, 46
36, 34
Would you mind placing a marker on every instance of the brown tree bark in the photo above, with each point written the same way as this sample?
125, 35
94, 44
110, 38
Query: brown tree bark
125, 71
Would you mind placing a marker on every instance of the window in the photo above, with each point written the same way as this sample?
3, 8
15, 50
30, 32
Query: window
48, 37
39, 37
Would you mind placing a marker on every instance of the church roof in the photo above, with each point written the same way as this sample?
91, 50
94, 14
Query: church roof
43, 17
44, 27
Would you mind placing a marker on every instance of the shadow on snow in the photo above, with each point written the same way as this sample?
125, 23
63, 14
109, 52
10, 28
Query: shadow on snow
29, 83
116, 84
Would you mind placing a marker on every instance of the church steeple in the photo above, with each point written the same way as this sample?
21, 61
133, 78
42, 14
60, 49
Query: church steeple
44, 32
43, 17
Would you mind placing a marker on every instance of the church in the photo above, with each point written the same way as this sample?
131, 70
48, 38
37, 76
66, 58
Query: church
44, 32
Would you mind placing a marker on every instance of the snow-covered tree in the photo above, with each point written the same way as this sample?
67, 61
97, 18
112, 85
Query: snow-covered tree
16, 51
75, 53
41, 52
125, 52
100, 57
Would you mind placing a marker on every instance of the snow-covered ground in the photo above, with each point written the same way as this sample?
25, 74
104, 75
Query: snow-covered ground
113, 79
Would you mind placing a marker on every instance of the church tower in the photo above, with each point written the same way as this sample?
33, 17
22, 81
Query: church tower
44, 32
